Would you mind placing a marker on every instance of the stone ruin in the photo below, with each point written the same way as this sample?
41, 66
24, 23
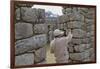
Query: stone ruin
31, 33
82, 22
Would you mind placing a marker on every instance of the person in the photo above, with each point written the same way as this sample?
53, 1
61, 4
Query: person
59, 46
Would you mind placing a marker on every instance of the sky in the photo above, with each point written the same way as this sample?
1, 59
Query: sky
53, 9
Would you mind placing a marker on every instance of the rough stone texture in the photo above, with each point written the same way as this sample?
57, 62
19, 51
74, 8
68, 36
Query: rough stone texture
30, 15
17, 14
63, 18
24, 59
29, 44
23, 30
89, 22
78, 33
75, 24
76, 17
22, 46
31, 36
81, 21
33, 15
81, 56
71, 49
82, 47
40, 55
40, 28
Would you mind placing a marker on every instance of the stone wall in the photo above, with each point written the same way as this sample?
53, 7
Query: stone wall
32, 33
30, 36
81, 21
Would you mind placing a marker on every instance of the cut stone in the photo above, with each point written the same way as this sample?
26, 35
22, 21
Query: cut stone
24, 59
40, 55
25, 45
40, 28
81, 56
78, 33
23, 30
82, 47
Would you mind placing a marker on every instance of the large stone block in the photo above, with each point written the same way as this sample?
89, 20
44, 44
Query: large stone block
30, 15
78, 33
23, 30
81, 41
81, 47
40, 40
34, 15
40, 28
81, 56
25, 45
24, 59
40, 55
22, 46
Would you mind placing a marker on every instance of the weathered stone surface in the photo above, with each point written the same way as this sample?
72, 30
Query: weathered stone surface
78, 33
41, 15
40, 55
40, 40
29, 44
89, 21
82, 47
40, 28
75, 24
63, 18
90, 28
22, 46
24, 59
30, 15
90, 34
17, 13
81, 56
23, 30
34, 15
76, 17
81, 41
67, 10
51, 20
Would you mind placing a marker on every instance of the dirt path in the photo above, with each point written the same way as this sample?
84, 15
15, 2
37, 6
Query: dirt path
50, 57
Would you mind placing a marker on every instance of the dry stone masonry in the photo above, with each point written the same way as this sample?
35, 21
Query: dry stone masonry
81, 21
32, 34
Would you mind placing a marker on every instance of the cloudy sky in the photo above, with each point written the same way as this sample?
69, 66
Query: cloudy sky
54, 9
